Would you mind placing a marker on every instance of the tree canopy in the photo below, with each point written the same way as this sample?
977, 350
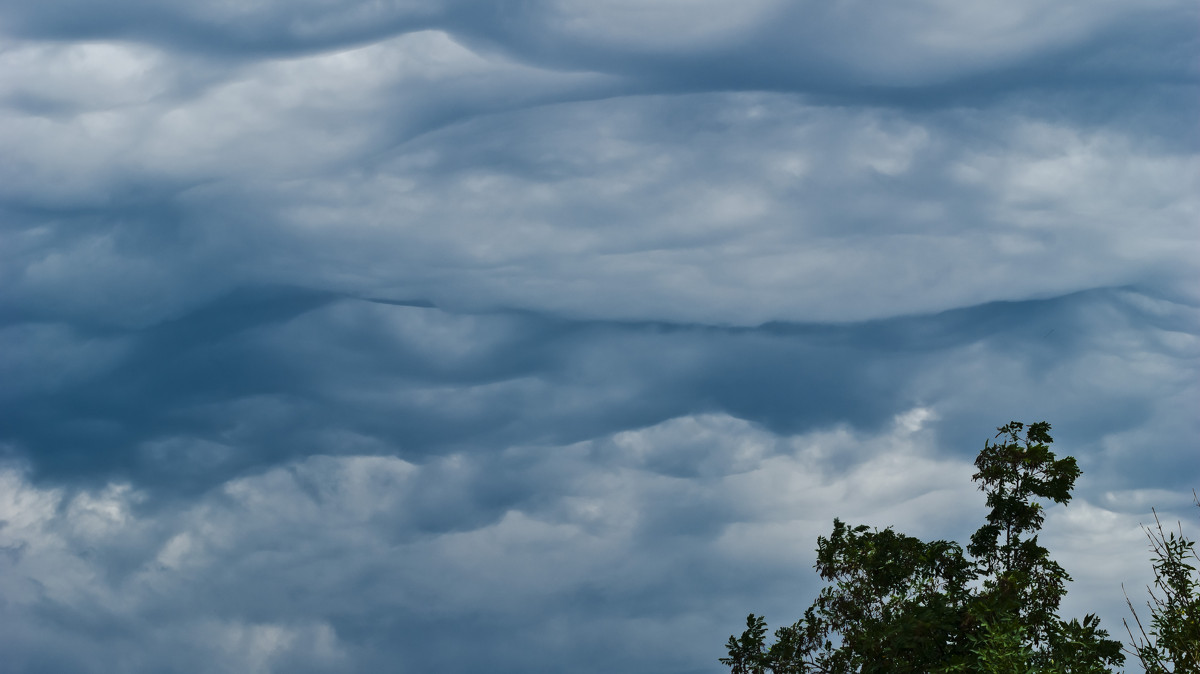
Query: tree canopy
895, 603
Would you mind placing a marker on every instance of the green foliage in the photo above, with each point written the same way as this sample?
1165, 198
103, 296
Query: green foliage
897, 604
1173, 642
748, 654
996, 646
1019, 574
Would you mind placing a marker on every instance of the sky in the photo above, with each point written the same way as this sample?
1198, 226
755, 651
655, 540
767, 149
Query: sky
548, 335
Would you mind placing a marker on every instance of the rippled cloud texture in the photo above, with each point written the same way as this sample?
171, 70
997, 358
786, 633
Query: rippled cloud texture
546, 336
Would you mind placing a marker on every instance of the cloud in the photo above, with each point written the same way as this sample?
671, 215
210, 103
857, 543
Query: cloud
761, 43
332, 332
263, 376
344, 562
425, 164
328, 555
751, 221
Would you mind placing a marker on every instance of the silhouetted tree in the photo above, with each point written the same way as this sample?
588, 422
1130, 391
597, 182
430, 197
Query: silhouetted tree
1173, 641
897, 604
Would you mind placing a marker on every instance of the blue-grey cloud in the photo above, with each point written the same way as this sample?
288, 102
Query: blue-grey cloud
268, 375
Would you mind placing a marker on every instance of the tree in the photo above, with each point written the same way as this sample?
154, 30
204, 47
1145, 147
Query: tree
748, 655
895, 603
1173, 642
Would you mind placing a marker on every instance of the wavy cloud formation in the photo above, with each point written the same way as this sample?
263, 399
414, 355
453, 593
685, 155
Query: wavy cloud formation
336, 336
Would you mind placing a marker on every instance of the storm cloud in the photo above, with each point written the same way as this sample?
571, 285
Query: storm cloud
547, 336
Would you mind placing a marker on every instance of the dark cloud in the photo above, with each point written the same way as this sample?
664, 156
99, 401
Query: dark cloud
276, 373
223, 30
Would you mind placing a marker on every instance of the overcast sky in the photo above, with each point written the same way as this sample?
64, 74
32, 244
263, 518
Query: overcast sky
548, 335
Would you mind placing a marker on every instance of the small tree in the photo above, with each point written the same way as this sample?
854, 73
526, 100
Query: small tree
1173, 641
899, 604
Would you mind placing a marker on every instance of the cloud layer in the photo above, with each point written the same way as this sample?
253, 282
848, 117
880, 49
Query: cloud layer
391, 336
629, 551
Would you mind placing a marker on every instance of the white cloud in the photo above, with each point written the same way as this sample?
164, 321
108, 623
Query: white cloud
890, 214
323, 526
416, 167
83, 76
283, 564
164, 117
